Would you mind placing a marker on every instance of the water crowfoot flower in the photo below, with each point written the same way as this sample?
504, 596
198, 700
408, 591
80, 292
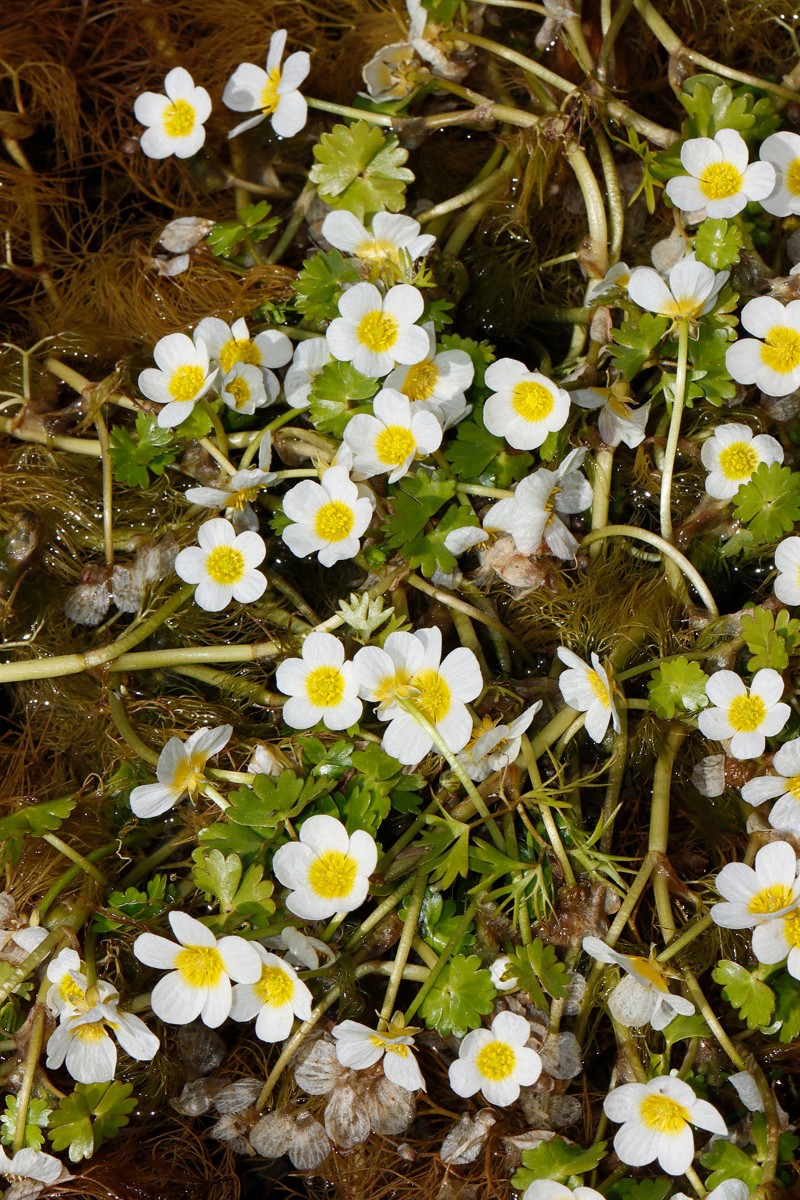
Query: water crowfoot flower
731, 456
438, 382
690, 292
310, 357
359, 1047
618, 421
179, 771
375, 332
496, 1061
656, 1122
643, 997
550, 1189
771, 358
719, 182
392, 239
531, 515
272, 93
755, 894
182, 375
223, 565
779, 939
200, 971
237, 492
274, 1000
321, 685
231, 346
328, 517
525, 406
588, 689
34, 1165
68, 994
496, 747
782, 151
787, 562
385, 673
176, 120
327, 870
81, 1042
748, 716
784, 784
389, 441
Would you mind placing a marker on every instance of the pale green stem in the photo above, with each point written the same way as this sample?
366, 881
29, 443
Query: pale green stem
705, 1008
445, 956
302, 205
124, 727
376, 916
217, 454
222, 437
544, 811
232, 685
468, 196
595, 209
671, 450
152, 660
71, 445
616, 773
519, 60
659, 827
354, 114
32, 1053
667, 549
75, 857
616, 204
601, 493
695, 1181
403, 948
689, 934
69, 876
474, 214
108, 485
611, 27
469, 610
73, 922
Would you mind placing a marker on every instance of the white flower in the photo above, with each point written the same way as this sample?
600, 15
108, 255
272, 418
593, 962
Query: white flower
719, 181
232, 347
782, 152
176, 120
321, 685
302, 950
82, 1043
274, 1000
784, 784
223, 565
392, 239
179, 771
329, 517
327, 870
787, 561
615, 277
690, 292
588, 689
503, 979
181, 376
779, 939
67, 995
731, 456
643, 997
389, 441
496, 747
237, 492
438, 382
525, 406
729, 1189
550, 1189
200, 971
272, 93
755, 894
770, 359
412, 670
30, 1164
618, 421
657, 1117
746, 716
242, 389
531, 515
359, 1047
264, 761
375, 332
309, 358
389, 74
496, 1061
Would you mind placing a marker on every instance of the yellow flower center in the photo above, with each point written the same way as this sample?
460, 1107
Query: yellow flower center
179, 119
185, 776
69, 990
644, 969
771, 899
275, 987
664, 1114
239, 350
200, 966
421, 380
746, 713
185, 383
398, 1048
793, 786
532, 401
332, 874
496, 1061
738, 461
240, 390
269, 94
325, 686
791, 929
377, 331
394, 444
720, 180
792, 178
225, 565
93, 1031
375, 249
780, 350
599, 688
392, 686
334, 521
433, 699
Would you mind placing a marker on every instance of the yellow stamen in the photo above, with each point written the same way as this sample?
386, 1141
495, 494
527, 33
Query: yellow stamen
225, 565
746, 713
332, 874
377, 331
791, 929
334, 521
275, 987
433, 699
496, 1061
771, 899
240, 390
421, 380
394, 444
179, 119
239, 350
532, 401
93, 1031
738, 461
664, 1114
599, 688
325, 687
269, 94
720, 180
200, 966
792, 178
780, 350
185, 383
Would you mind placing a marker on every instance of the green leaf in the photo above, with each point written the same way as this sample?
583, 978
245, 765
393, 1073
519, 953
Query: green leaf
217, 875
639, 1189
35, 820
132, 458
787, 1005
708, 377
477, 456
558, 1159
89, 1116
136, 905
726, 1161
335, 387
428, 551
769, 503
414, 500
678, 684
447, 842
360, 168
253, 224
438, 919
681, 1028
481, 353
752, 998
713, 105
197, 425
770, 639
462, 994
537, 967
36, 1119
319, 284
635, 341
717, 243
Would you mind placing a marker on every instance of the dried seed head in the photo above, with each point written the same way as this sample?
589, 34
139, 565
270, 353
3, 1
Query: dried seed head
232, 1130
317, 1070
235, 1097
293, 1132
390, 1108
346, 1118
